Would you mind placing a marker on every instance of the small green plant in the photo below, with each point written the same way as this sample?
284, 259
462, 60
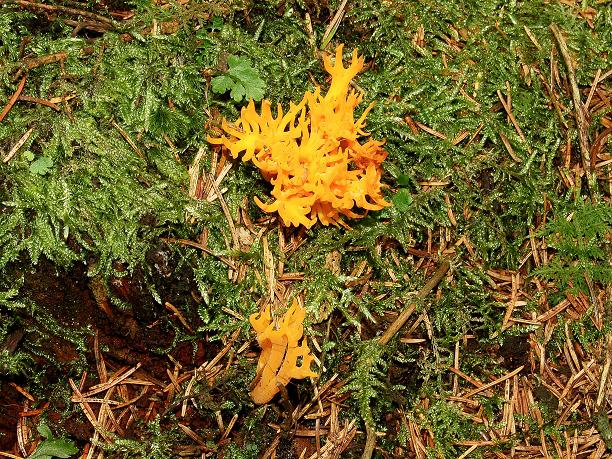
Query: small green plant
366, 380
51, 446
154, 441
241, 79
583, 245
402, 199
12, 361
449, 426
41, 166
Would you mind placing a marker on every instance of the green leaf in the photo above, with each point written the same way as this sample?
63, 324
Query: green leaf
221, 84
403, 180
241, 79
41, 166
402, 200
255, 90
57, 447
238, 92
235, 62
28, 155
44, 430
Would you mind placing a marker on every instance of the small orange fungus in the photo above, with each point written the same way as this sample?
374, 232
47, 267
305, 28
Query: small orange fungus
316, 154
280, 350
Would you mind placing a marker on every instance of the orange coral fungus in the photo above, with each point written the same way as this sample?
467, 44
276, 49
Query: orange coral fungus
280, 351
312, 154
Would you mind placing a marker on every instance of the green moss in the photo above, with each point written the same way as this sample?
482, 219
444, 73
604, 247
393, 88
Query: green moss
78, 192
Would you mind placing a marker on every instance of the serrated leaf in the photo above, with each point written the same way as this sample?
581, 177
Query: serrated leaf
236, 61
57, 447
241, 79
249, 78
256, 90
238, 92
41, 166
243, 72
221, 84
44, 430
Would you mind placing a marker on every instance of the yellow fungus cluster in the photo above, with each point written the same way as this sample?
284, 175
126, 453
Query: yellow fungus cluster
314, 155
280, 350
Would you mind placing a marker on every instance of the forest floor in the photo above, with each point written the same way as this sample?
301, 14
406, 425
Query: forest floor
471, 318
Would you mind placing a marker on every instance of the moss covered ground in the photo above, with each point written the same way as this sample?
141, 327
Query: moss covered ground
132, 252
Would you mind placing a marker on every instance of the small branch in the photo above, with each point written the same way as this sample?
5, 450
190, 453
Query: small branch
493, 383
44, 60
9, 455
60, 9
228, 215
406, 313
128, 139
24, 138
13, 99
600, 414
368, 449
36, 100
89, 25
581, 121
508, 109
390, 333
203, 249
29, 64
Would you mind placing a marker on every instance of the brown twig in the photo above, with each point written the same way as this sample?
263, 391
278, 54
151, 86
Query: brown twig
128, 139
581, 121
370, 442
29, 64
89, 25
17, 146
508, 108
227, 213
13, 99
202, 248
493, 383
406, 313
36, 100
60, 9
393, 329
